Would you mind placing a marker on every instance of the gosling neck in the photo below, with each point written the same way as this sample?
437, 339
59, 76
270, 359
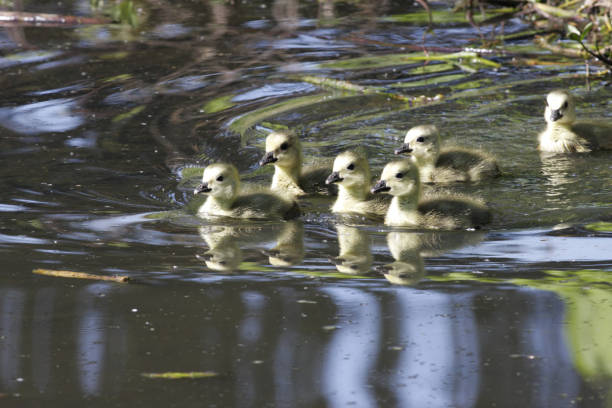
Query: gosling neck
426, 164
408, 202
287, 176
403, 209
352, 193
218, 204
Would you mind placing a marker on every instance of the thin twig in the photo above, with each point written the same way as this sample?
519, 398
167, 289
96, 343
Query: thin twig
80, 275
25, 18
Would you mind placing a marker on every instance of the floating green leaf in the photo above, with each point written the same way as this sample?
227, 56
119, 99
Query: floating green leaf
181, 375
219, 104
127, 115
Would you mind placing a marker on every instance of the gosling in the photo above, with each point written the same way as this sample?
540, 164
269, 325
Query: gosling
401, 180
563, 134
221, 183
438, 165
351, 173
284, 151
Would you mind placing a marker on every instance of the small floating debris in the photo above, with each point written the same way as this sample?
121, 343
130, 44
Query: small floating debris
310, 302
172, 375
330, 327
525, 356
80, 275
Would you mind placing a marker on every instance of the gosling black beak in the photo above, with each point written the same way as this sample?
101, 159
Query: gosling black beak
555, 115
202, 188
206, 256
380, 187
333, 178
336, 260
268, 158
404, 149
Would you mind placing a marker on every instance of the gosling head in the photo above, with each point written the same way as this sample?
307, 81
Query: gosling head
282, 149
220, 180
421, 141
350, 169
560, 107
398, 178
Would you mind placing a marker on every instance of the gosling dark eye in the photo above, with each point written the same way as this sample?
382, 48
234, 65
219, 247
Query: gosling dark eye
565, 105
350, 167
284, 146
220, 178
399, 175
420, 139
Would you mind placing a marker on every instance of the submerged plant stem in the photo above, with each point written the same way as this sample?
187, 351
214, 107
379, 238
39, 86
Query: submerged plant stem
348, 86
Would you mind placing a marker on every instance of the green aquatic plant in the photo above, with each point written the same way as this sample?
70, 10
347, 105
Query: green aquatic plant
245, 122
581, 35
466, 58
445, 16
126, 12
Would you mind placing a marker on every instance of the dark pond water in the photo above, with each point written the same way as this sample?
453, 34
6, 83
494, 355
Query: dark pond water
101, 127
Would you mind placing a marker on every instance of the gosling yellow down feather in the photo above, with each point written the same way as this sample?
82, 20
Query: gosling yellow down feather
438, 165
401, 179
351, 173
290, 179
564, 134
221, 182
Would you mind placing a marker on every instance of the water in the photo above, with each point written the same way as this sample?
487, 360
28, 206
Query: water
100, 127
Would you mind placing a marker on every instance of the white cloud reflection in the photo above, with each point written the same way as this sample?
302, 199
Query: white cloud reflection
56, 115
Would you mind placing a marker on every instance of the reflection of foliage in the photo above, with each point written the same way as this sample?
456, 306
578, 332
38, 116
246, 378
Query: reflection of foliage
121, 11
600, 226
588, 298
587, 295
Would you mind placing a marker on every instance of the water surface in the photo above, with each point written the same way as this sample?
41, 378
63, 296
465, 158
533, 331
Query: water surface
101, 127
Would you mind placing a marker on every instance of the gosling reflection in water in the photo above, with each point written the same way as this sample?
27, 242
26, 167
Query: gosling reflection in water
223, 253
560, 172
289, 249
355, 255
408, 268
409, 248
